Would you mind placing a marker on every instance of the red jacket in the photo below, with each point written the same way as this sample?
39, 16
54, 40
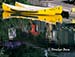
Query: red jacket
33, 30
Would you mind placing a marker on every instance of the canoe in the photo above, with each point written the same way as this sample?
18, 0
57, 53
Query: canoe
57, 9
48, 19
21, 10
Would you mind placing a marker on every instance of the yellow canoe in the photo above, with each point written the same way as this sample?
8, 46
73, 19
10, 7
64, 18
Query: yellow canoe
48, 19
56, 9
47, 11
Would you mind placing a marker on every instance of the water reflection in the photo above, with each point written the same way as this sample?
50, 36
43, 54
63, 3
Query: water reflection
51, 28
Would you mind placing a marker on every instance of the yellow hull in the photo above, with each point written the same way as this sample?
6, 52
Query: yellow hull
56, 10
48, 11
48, 19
